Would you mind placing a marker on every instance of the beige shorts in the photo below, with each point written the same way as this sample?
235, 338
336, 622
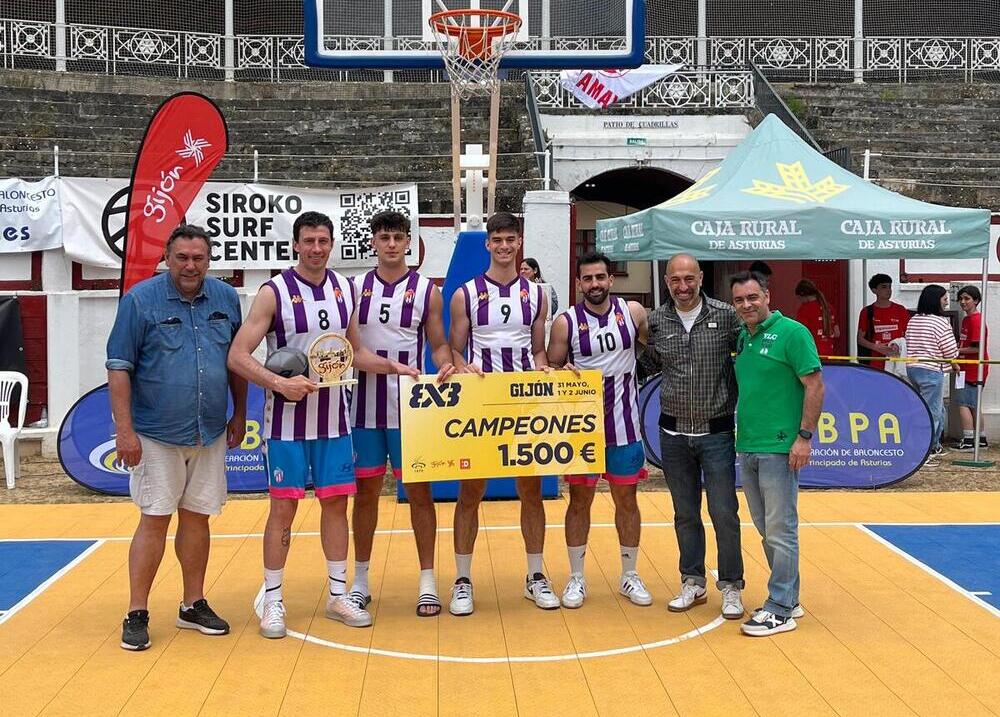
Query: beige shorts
171, 477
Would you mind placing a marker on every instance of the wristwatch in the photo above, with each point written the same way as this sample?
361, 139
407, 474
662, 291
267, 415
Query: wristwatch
803, 433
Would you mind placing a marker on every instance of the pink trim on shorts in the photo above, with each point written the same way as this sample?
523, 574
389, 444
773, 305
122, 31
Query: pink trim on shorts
591, 480
293, 493
332, 490
397, 473
373, 472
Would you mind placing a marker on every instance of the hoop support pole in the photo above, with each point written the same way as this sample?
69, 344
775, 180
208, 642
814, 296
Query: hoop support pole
491, 180
456, 152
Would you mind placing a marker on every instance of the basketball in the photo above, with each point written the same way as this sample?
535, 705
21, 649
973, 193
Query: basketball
287, 362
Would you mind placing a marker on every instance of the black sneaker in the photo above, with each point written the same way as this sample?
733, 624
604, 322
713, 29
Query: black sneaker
765, 623
983, 443
202, 618
135, 630
965, 445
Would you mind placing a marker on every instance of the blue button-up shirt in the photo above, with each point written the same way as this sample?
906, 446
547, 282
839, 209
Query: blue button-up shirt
175, 351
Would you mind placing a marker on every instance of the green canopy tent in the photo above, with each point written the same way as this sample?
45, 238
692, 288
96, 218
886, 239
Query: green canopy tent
775, 197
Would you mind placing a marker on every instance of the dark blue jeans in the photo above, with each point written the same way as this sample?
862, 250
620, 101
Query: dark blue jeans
685, 460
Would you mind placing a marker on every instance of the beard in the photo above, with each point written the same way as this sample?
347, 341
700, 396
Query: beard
596, 297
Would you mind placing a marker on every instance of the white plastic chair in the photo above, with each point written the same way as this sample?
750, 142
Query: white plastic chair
9, 380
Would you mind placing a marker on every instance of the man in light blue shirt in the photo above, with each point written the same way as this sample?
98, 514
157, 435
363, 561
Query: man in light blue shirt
169, 393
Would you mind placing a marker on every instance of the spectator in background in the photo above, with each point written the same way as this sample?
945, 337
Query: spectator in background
881, 322
815, 315
762, 268
532, 272
929, 337
967, 396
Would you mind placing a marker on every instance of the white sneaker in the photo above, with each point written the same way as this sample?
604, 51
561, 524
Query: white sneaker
538, 589
340, 607
272, 621
575, 591
689, 596
632, 587
461, 598
732, 602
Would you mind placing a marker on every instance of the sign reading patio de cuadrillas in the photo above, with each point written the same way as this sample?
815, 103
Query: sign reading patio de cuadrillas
775, 196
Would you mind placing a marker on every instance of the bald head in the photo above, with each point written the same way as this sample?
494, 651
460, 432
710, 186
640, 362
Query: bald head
683, 279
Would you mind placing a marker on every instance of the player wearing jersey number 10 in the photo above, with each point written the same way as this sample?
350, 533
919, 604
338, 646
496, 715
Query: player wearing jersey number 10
499, 318
307, 427
603, 333
397, 310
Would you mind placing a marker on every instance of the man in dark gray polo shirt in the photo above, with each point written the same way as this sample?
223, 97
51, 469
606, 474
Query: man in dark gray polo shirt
691, 340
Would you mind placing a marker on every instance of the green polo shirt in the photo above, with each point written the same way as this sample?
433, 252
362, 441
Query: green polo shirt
768, 366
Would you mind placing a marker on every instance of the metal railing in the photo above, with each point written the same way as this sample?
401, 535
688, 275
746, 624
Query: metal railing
128, 50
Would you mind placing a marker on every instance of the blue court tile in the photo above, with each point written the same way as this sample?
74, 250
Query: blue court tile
26, 564
968, 555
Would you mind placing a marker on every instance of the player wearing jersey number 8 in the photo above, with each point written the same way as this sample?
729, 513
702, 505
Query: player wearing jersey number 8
308, 434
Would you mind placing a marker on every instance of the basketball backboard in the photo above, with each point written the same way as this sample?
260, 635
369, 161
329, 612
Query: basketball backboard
554, 34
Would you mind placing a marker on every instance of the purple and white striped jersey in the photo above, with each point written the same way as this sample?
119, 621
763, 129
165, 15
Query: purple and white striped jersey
500, 318
302, 312
607, 343
391, 320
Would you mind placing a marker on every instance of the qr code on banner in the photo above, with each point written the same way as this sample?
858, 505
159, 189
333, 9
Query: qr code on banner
357, 209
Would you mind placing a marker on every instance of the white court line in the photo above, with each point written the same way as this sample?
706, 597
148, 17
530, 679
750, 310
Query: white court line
44, 586
550, 526
515, 658
929, 570
980, 592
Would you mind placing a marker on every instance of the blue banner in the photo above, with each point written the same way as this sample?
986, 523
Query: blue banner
874, 429
87, 446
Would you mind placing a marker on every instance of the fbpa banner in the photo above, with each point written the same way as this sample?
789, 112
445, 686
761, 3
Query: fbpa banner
30, 217
599, 89
874, 429
184, 142
87, 446
250, 224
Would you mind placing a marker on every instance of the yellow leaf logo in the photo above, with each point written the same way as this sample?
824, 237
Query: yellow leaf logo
797, 187
698, 190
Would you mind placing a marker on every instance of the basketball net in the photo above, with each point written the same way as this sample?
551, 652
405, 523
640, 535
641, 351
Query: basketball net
472, 43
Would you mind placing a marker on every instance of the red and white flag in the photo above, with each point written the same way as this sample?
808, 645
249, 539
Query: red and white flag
185, 140
599, 89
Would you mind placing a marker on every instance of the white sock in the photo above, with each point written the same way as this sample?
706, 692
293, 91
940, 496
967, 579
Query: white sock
535, 564
969, 434
360, 577
272, 584
463, 566
576, 553
629, 556
337, 572
427, 582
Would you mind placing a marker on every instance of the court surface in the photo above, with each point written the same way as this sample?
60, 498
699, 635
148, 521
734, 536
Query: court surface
900, 591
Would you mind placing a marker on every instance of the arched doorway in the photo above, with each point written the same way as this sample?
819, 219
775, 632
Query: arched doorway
614, 193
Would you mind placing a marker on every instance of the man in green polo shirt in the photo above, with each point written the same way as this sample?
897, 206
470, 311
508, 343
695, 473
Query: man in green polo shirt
780, 399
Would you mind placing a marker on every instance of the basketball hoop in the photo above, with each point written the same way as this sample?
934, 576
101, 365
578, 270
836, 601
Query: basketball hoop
472, 43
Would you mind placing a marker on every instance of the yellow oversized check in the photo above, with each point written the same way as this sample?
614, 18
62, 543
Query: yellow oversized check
501, 425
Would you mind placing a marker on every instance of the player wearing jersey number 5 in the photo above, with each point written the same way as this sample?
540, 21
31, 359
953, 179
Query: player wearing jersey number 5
307, 428
603, 332
499, 318
397, 310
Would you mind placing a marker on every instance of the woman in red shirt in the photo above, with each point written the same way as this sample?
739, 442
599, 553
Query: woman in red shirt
815, 315
968, 348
